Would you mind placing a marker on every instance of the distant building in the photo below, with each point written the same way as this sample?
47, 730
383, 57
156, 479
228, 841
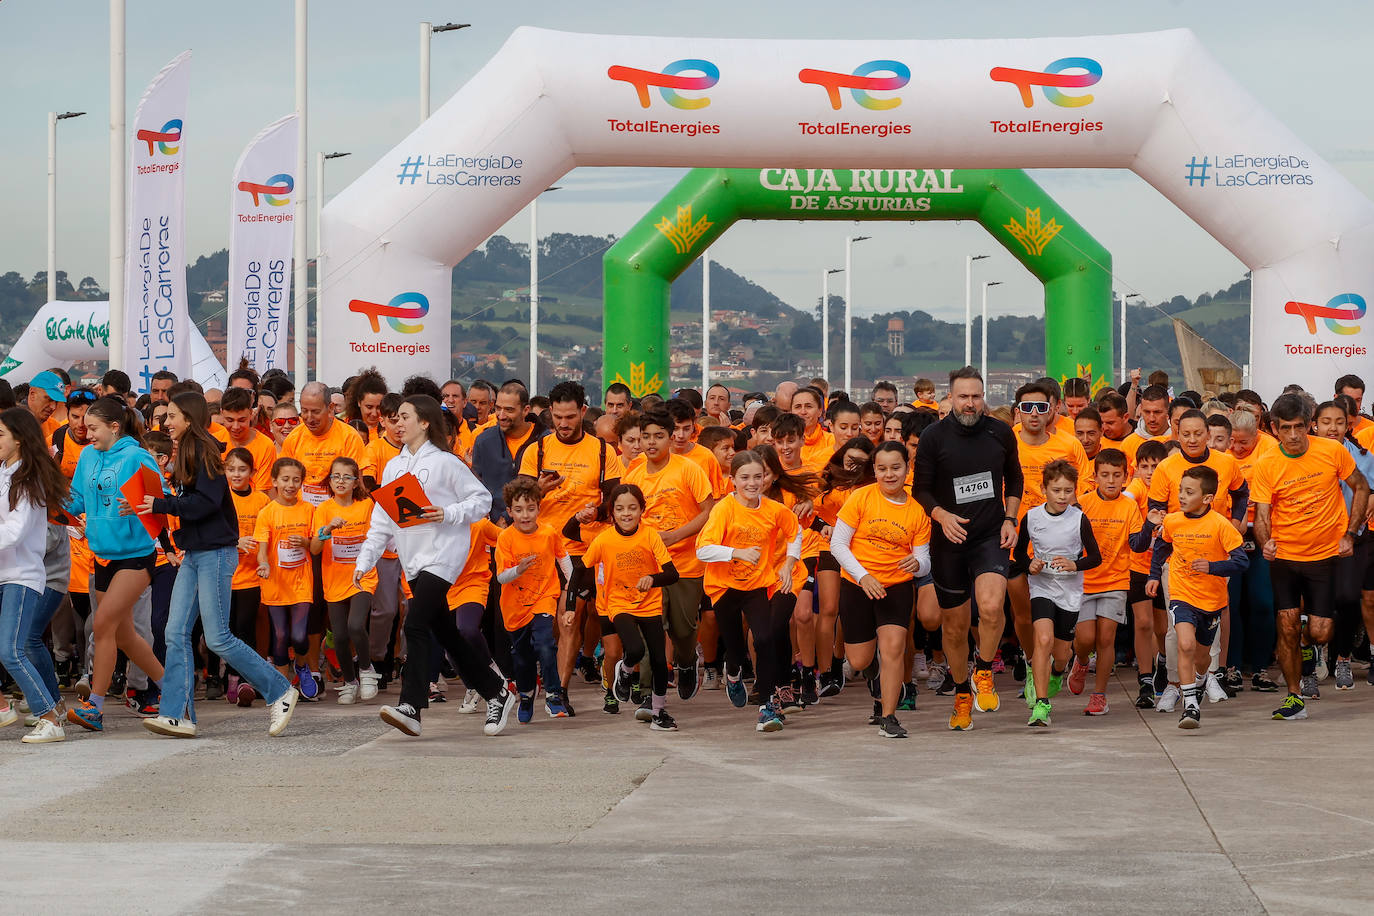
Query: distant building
896, 336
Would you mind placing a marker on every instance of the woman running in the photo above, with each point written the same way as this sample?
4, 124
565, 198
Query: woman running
208, 538
245, 590
882, 541
850, 467
124, 551
339, 529
30, 482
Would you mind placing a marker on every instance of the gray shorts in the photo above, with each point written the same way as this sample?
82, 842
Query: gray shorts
1111, 605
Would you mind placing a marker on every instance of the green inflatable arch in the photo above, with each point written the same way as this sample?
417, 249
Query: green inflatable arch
640, 268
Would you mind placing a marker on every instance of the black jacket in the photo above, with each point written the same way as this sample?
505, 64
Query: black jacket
206, 509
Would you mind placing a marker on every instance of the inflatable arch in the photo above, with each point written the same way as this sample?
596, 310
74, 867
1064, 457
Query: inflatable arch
640, 268
1155, 103
62, 333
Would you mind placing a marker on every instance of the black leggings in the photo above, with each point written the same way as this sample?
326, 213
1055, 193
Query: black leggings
470, 628
243, 619
348, 623
641, 635
767, 622
427, 621
1350, 574
289, 627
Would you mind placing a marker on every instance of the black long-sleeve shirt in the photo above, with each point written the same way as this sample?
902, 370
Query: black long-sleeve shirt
970, 471
206, 509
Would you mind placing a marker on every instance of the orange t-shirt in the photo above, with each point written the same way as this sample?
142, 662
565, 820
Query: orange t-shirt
674, 496
317, 453
583, 466
1164, 485
248, 508
71, 454
1208, 537
735, 525
705, 459
221, 434
1247, 469
1307, 512
1137, 491
474, 579
264, 452
83, 563
1113, 522
339, 557
1033, 459
620, 561
290, 580
816, 450
535, 592
884, 533
1132, 443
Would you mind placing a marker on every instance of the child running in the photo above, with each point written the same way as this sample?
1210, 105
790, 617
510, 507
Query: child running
283, 536
1147, 612
339, 530
245, 596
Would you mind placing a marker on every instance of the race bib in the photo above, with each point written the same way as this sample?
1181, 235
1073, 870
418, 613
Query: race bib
314, 494
973, 487
347, 547
289, 557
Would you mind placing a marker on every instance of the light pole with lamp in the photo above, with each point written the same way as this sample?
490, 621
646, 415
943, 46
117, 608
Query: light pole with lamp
825, 319
968, 305
53, 118
319, 206
1125, 373
427, 30
301, 317
534, 293
985, 327
849, 307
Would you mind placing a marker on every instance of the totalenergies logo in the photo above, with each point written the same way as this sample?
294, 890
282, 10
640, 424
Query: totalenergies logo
406, 305
274, 191
1052, 79
1345, 307
168, 139
861, 83
671, 80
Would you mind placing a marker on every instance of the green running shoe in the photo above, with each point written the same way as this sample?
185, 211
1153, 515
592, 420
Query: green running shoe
1029, 692
1040, 714
1056, 684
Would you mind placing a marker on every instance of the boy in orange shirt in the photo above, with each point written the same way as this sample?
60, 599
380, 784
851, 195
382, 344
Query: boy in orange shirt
1148, 612
529, 557
1205, 549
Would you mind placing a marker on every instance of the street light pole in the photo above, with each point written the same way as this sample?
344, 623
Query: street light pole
53, 118
301, 318
117, 154
427, 30
705, 322
825, 319
534, 293
319, 208
849, 308
985, 327
968, 306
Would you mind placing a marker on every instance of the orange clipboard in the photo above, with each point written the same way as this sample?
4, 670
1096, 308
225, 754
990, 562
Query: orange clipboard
403, 499
144, 483
59, 516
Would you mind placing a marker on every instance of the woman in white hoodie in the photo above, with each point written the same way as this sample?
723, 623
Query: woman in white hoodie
432, 552
30, 482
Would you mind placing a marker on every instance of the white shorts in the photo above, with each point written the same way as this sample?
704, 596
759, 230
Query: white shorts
1111, 605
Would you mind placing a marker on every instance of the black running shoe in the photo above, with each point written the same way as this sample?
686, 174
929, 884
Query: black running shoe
1263, 684
1018, 674
889, 727
1191, 717
946, 689
1146, 698
1161, 675
877, 717
809, 695
611, 704
830, 685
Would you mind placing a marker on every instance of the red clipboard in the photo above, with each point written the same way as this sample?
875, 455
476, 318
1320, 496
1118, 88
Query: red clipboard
144, 483
403, 499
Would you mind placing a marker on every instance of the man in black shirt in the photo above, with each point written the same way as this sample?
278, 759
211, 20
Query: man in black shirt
969, 481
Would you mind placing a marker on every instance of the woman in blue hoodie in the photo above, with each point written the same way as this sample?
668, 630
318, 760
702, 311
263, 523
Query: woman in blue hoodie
124, 551
209, 538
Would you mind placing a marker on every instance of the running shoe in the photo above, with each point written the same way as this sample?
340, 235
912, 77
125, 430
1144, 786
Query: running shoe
877, 717
645, 711
785, 699
610, 704
567, 703
920, 668
1078, 677
689, 680
1039, 715
144, 703
246, 695
214, 688
348, 693
999, 664
1191, 717
87, 715
1293, 708
1097, 705
1028, 691
8, 716
736, 691
962, 718
986, 698
1309, 688
891, 728
45, 732
1215, 692
1020, 671
810, 696
1323, 664
367, 684
526, 710
437, 693
1168, 700
83, 686
308, 687
403, 717
553, 705
499, 709
1161, 675
663, 722
1146, 698
769, 720
907, 702
587, 667
1263, 684
171, 728
1345, 680
638, 690
623, 685
1056, 683
710, 679
231, 691
471, 699
1234, 682
936, 680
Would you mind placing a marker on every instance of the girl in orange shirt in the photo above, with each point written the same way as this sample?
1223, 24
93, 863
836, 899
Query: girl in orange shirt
737, 545
283, 536
849, 468
339, 528
631, 566
245, 593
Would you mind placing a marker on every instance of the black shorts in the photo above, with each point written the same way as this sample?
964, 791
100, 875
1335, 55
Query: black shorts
607, 626
1137, 591
1308, 584
826, 562
861, 616
1064, 620
810, 584
587, 591
106, 569
1206, 624
955, 567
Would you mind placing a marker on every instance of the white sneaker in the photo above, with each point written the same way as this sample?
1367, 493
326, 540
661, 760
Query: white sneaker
348, 693
1323, 664
1215, 692
367, 688
23, 705
1168, 700
919, 667
9, 716
936, 678
471, 699
280, 712
710, 680
45, 732
171, 728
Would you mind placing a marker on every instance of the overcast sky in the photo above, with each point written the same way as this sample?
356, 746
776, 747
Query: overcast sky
1307, 63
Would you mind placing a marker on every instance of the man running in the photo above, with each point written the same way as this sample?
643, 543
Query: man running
969, 481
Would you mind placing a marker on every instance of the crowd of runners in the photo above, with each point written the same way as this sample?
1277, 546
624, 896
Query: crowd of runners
768, 551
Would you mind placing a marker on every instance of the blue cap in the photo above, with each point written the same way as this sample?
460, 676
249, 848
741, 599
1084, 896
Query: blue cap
49, 383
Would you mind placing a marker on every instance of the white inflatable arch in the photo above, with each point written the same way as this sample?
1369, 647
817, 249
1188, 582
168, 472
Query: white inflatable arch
1154, 103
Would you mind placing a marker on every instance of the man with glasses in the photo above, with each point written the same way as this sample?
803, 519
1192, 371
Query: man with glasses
320, 439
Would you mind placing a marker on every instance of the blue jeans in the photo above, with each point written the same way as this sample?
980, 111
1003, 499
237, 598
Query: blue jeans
535, 642
19, 608
203, 589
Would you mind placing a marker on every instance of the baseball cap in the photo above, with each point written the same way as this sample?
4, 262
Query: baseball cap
49, 384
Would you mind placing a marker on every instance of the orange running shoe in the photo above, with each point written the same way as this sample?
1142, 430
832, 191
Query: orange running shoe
987, 698
1078, 677
962, 720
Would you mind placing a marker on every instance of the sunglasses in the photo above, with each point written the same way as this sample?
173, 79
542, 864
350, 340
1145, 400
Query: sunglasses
81, 396
1034, 407
285, 422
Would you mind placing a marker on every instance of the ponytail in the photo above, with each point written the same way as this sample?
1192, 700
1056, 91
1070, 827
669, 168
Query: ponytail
114, 411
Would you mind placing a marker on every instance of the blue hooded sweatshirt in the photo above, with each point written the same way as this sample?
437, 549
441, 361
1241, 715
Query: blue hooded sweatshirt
95, 491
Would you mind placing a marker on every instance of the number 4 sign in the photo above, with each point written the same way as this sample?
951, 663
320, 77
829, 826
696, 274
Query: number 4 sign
404, 500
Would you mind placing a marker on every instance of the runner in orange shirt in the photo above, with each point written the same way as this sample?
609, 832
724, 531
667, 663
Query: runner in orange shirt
237, 411
245, 588
283, 535
817, 444
337, 533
